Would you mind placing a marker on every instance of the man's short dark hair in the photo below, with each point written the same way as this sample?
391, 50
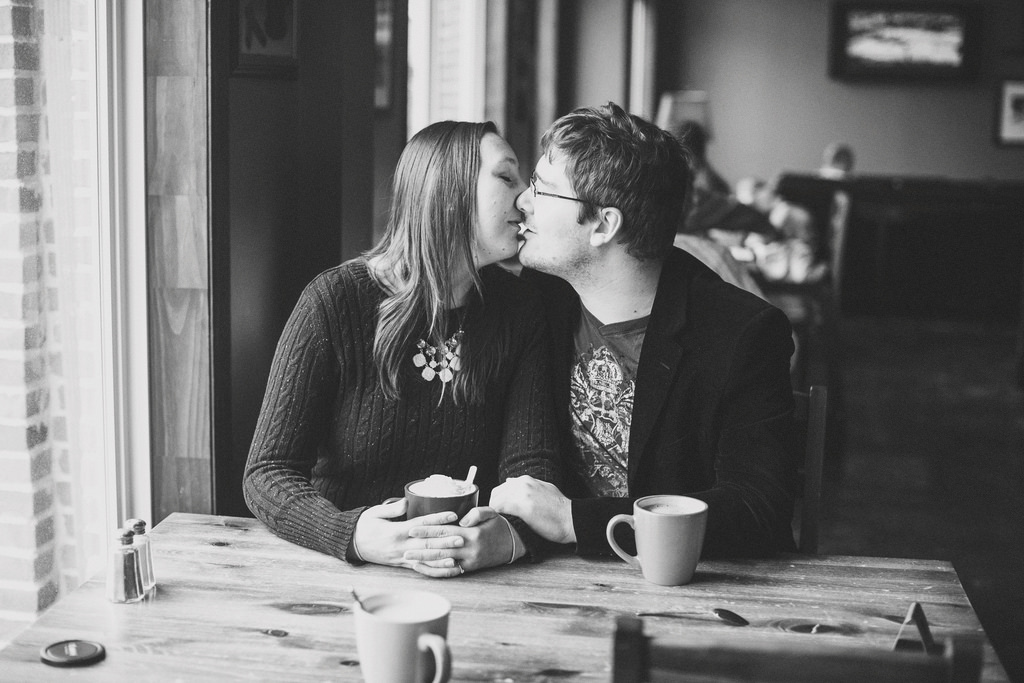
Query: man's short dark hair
617, 159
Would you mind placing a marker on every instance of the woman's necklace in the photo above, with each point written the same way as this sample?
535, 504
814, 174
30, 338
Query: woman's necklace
439, 362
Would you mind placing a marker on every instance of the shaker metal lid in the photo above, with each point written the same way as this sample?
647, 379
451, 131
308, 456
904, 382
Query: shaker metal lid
72, 653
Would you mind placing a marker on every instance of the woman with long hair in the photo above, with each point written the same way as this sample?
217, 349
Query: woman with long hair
420, 357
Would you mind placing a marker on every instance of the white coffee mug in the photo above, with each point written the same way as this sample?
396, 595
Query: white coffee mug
401, 637
669, 537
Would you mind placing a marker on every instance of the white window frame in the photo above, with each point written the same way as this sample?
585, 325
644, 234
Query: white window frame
120, 55
423, 108
643, 41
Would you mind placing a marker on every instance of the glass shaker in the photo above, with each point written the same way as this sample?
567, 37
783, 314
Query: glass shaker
141, 542
124, 571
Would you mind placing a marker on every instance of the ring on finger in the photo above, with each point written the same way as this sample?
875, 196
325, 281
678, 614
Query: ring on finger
461, 570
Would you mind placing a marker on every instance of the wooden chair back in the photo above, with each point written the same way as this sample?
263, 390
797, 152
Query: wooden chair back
811, 416
638, 659
839, 218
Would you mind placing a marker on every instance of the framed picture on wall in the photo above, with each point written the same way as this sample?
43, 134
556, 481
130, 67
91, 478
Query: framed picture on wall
879, 40
266, 39
1010, 113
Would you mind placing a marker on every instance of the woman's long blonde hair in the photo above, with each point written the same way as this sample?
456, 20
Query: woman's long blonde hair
429, 239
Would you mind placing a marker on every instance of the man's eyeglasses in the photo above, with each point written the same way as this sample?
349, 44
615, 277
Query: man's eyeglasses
533, 188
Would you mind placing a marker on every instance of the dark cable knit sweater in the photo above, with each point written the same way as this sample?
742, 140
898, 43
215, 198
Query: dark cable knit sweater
329, 443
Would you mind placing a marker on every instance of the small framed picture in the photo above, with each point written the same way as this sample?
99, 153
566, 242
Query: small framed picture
266, 39
1010, 113
900, 41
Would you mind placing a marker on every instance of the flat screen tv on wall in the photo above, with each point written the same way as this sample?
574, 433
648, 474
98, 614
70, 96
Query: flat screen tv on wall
905, 41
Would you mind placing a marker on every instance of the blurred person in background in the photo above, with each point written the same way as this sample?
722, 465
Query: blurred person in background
836, 161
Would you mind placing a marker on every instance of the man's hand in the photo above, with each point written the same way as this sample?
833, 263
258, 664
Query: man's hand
539, 504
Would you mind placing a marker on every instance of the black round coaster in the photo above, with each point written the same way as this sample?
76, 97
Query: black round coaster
72, 653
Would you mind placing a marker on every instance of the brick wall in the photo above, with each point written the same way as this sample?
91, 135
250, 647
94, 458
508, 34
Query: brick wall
51, 455
28, 580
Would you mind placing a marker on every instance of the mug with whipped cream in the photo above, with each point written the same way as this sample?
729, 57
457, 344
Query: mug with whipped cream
440, 493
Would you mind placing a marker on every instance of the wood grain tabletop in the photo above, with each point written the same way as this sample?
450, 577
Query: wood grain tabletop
234, 602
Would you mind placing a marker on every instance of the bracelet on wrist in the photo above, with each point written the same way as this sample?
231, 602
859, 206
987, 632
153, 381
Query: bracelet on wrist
511, 535
355, 548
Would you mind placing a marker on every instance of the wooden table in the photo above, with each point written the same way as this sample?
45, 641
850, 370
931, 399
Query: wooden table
235, 602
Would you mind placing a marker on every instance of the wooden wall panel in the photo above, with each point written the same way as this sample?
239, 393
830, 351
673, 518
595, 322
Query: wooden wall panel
178, 255
292, 165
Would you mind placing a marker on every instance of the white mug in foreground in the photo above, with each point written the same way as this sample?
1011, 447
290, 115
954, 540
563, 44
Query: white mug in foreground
401, 637
669, 536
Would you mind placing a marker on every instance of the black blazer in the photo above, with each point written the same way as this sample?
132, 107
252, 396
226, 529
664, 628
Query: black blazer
712, 413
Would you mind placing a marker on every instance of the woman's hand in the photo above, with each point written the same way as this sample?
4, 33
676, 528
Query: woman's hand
482, 539
380, 540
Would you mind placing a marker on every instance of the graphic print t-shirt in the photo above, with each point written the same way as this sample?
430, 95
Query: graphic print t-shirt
601, 394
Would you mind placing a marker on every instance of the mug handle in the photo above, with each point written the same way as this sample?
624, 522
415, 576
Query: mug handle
609, 532
442, 658
400, 518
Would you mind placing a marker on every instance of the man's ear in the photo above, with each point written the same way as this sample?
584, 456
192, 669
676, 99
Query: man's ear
609, 221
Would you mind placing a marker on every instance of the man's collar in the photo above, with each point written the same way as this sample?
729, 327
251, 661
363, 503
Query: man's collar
668, 315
